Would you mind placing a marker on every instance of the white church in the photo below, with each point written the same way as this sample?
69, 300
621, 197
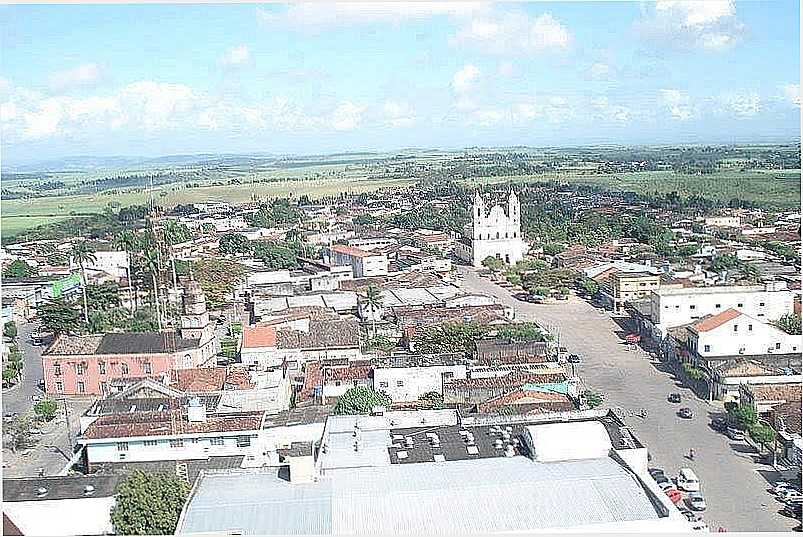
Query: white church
493, 233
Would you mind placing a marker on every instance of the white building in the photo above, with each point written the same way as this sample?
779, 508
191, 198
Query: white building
363, 263
371, 243
733, 333
113, 263
723, 221
671, 307
259, 347
493, 233
407, 378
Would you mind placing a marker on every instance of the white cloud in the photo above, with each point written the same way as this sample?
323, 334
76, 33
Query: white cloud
399, 114
513, 32
506, 69
347, 116
236, 56
678, 103
316, 15
464, 79
745, 104
488, 118
698, 24
606, 111
599, 70
84, 75
791, 93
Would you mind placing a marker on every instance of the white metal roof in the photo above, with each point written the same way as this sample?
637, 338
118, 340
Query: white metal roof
568, 441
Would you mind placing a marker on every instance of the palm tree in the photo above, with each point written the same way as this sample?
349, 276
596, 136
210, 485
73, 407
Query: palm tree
172, 232
127, 242
153, 265
373, 299
82, 253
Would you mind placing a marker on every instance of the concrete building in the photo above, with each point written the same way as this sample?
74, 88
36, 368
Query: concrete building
363, 263
493, 233
61, 505
405, 378
623, 287
723, 221
259, 347
385, 474
112, 263
671, 307
733, 333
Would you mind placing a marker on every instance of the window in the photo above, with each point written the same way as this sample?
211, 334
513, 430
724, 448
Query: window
102, 368
383, 384
777, 346
740, 305
177, 443
761, 304
692, 307
80, 368
718, 306
104, 388
707, 348
59, 386
356, 383
337, 383
243, 441
81, 387
399, 383
216, 441
57, 370
146, 368
124, 369
122, 446
749, 327
736, 328
150, 443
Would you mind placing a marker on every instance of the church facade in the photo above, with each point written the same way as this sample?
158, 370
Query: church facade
493, 233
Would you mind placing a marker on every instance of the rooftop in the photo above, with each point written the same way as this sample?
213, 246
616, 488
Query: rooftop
712, 290
711, 322
194, 466
169, 423
352, 251
128, 343
259, 336
25, 489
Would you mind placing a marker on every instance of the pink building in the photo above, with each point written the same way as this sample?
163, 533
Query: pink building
77, 365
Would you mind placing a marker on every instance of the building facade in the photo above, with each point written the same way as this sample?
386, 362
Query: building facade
363, 263
493, 233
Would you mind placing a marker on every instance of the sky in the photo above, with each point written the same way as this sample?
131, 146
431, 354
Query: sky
311, 78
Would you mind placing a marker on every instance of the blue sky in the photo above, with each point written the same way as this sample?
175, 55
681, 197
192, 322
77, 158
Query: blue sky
311, 78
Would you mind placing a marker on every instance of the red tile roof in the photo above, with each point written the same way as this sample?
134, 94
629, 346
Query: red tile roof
206, 379
313, 376
259, 336
715, 321
352, 251
169, 424
347, 373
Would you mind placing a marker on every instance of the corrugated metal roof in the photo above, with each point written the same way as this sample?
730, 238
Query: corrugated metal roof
470, 496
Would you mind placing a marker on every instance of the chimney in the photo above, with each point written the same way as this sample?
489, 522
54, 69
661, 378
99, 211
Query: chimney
196, 411
302, 463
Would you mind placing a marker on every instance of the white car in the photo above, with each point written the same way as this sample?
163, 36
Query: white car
780, 486
790, 495
696, 501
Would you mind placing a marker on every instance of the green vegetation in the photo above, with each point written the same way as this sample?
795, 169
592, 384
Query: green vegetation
58, 316
694, 373
592, 399
45, 409
275, 214
234, 244
361, 400
432, 400
18, 269
449, 337
149, 504
218, 279
521, 332
789, 323
588, 285
493, 264
744, 415
10, 329
553, 248
762, 434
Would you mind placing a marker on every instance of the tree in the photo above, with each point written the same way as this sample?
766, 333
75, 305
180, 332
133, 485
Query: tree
276, 255
553, 248
789, 323
18, 269
19, 433
103, 296
153, 265
82, 253
45, 409
127, 242
234, 244
59, 317
744, 415
592, 399
449, 337
521, 332
762, 434
149, 504
433, 400
373, 299
493, 263
589, 285
175, 233
361, 400
10, 329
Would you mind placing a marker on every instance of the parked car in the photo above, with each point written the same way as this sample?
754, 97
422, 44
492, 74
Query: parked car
666, 485
688, 480
793, 510
686, 413
655, 471
699, 525
574, 359
735, 433
673, 398
696, 501
674, 495
719, 424
780, 486
661, 479
790, 496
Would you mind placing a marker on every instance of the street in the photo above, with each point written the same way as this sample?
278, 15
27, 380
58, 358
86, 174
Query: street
732, 481
50, 449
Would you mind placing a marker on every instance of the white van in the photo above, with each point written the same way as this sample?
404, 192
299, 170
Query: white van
688, 481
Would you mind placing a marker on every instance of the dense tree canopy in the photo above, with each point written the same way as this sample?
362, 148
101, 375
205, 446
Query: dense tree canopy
149, 504
361, 400
19, 269
59, 316
449, 337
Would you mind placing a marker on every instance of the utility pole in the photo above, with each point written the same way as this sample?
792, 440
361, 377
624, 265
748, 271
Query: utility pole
67, 422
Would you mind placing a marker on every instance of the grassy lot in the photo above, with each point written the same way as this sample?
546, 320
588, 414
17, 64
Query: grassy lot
773, 188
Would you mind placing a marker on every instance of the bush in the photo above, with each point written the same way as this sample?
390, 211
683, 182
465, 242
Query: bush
149, 504
592, 399
45, 409
361, 400
10, 329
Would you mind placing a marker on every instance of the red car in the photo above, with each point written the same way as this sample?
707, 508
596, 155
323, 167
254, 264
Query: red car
674, 495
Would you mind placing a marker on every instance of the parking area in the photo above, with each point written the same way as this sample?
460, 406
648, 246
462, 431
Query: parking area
734, 480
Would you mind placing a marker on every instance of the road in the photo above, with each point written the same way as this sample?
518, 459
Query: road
18, 399
49, 450
732, 481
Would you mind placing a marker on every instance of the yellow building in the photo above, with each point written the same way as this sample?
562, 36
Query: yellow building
626, 286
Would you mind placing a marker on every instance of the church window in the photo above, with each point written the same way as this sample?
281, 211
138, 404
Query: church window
506, 234
497, 234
